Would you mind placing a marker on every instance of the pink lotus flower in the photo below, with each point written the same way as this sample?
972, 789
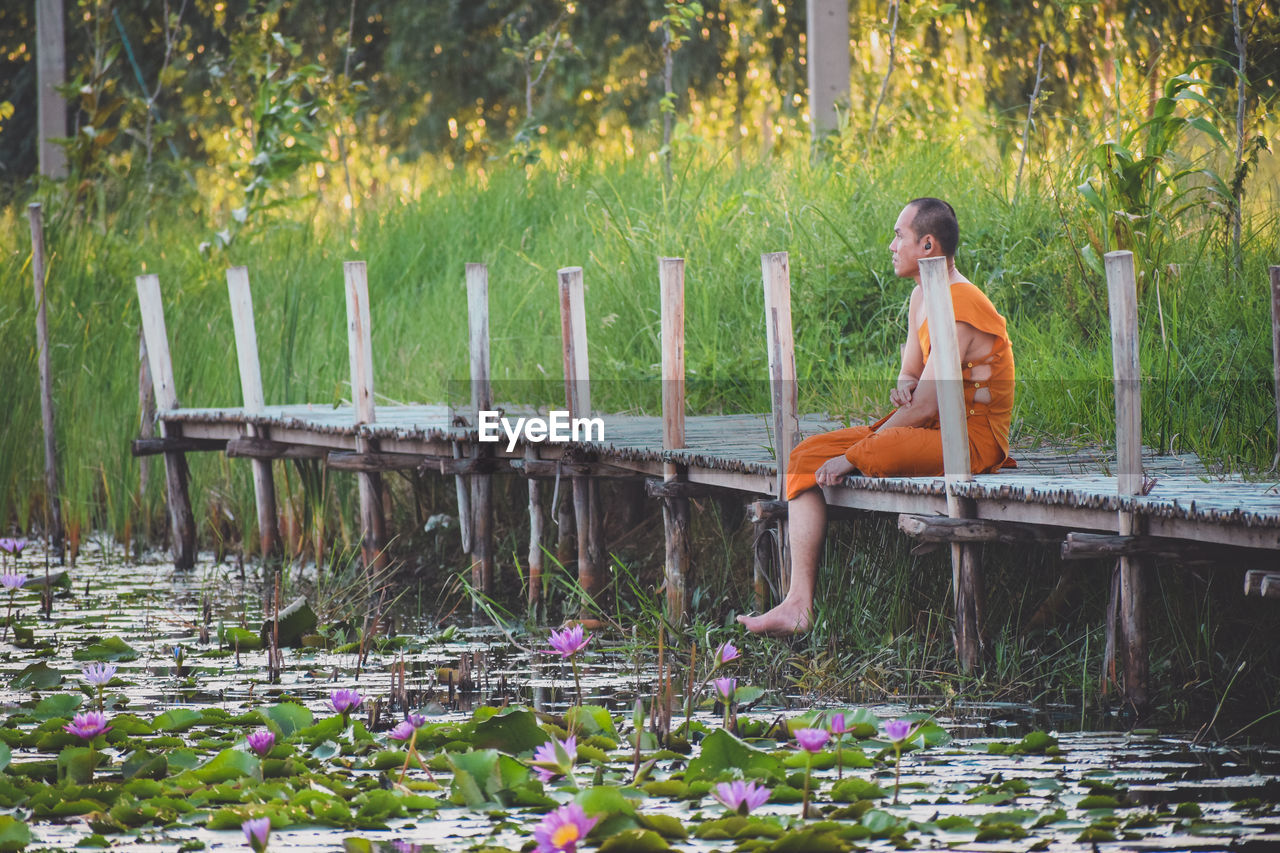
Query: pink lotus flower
99, 674
741, 797
345, 700
897, 730
261, 742
562, 829
87, 725
555, 758
256, 832
725, 688
836, 724
726, 653
12, 581
403, 731
569, 641
812, 740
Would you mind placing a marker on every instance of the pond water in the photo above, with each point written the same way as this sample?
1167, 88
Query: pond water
175, 774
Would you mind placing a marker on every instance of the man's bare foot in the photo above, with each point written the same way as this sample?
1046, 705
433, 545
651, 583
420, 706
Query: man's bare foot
785, 619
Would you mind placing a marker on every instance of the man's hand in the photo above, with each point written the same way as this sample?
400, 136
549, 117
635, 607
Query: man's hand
833, 471
900, 396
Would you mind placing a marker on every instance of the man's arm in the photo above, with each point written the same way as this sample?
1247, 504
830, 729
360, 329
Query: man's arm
923, 407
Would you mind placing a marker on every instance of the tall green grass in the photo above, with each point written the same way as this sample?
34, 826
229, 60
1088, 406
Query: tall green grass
1204, 335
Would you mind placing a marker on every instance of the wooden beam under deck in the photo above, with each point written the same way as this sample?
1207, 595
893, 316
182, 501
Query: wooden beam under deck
213, 429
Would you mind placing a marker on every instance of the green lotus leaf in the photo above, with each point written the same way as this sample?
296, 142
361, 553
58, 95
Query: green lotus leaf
670, 789
36, 676
61, 705
591, 720
853, 789
809, 840
722, 752
240, 638
227, 765
76, 764
176, 720
634, 841
14, 834
607, 800
110, 649
289, 717
327, 729
513, 733
663, 824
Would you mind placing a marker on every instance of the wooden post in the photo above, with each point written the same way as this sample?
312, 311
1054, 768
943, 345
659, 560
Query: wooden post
53, 496
944, 353
481, 400
675, 510
577, 389
360, 352
828, 62
146, 414
1275, 350
51, 72
1122, 300
264, 487
181, 520
776, 272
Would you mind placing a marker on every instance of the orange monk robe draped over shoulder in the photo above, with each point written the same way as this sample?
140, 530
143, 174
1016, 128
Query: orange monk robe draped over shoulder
917, 451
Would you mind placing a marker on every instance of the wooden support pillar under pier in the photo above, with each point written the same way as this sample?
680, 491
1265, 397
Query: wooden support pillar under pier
53, 498
577, 387
1127, 594
360, 353
264, 487
1275, 351
481, 400
675, 510
944, 354
776, 274
182, 522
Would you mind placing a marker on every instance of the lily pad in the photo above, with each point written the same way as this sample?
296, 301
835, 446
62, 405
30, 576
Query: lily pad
14, 834
514, 732
36, 676
110, 649
722, 752
296, 621
635, 841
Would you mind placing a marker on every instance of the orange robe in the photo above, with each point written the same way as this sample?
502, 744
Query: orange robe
917, 451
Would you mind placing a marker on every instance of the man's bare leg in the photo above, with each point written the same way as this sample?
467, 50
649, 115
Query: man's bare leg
806, 525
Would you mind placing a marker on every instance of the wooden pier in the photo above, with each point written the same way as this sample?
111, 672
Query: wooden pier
1126, 504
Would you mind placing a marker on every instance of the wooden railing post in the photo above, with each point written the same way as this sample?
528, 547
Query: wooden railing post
53, 498
577, 388
944, 354
264, 488
360, 355
776, 272
481, 400
675, 510
1275, 351
1127, 589
181, 520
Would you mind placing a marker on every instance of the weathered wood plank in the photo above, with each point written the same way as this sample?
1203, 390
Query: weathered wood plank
153, 446
675, 506
947, 529
1123, 309
477, 278
944, 355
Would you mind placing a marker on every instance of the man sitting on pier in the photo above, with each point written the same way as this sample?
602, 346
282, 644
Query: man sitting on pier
907, 442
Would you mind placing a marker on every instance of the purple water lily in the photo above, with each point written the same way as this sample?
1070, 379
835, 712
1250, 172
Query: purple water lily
897, 730
555, 759
12, 581
741, 797
838, 728
13, 547
99, 674
88, 725
562, 829
812, 740
261, 742
725, 688
257, 831
569, 641
403, 731
345, 700
726, 653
